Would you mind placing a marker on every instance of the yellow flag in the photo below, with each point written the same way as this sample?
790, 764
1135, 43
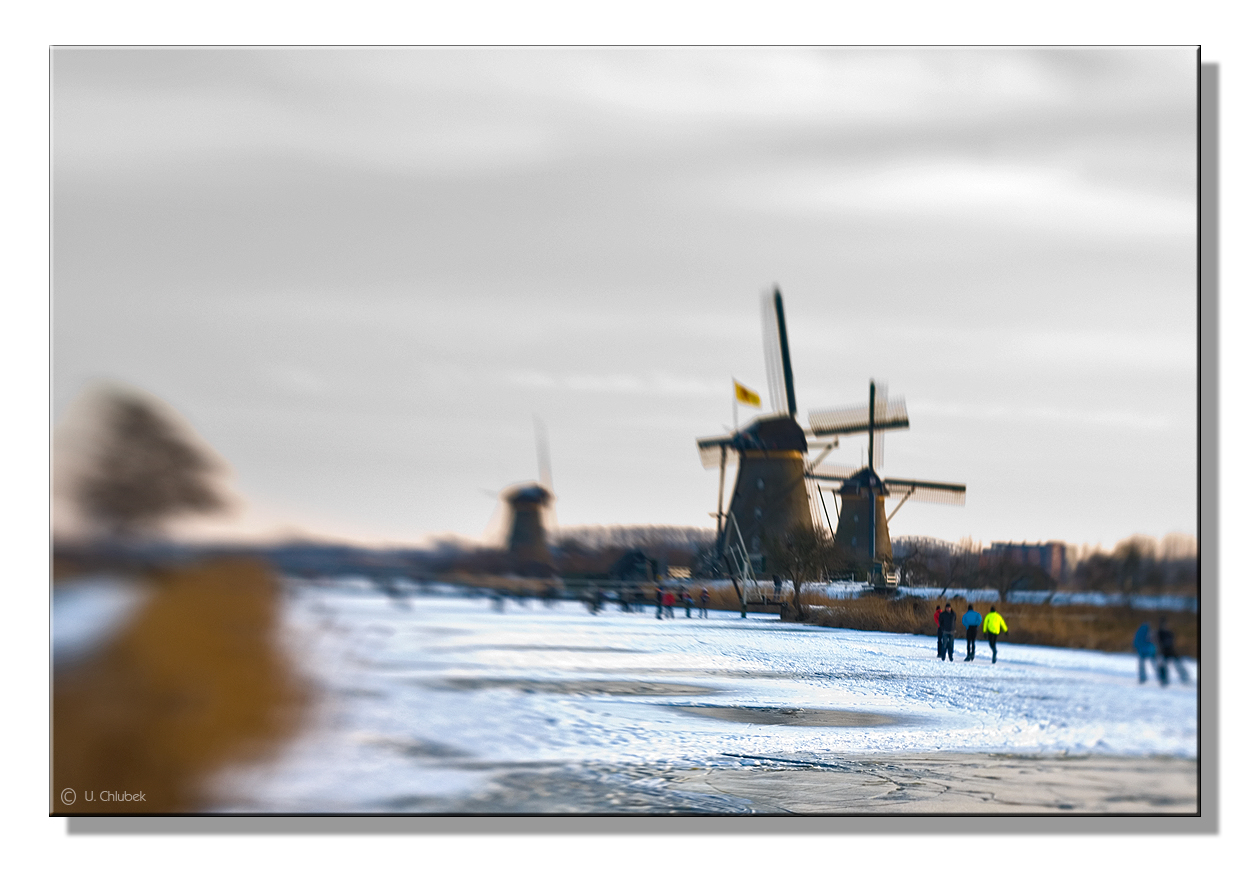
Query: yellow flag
745, 396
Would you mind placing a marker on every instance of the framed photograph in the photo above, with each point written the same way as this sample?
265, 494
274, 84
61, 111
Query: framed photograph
484, 431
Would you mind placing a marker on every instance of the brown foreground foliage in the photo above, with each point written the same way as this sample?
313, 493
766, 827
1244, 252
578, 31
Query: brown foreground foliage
195, 681
1109, 629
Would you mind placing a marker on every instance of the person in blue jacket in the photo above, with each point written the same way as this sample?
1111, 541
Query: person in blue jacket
1145, 650
971, 620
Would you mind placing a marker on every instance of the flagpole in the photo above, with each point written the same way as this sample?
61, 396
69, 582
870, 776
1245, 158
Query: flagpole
735, 401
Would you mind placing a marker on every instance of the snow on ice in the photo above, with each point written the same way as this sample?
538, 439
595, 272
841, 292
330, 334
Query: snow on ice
421, 696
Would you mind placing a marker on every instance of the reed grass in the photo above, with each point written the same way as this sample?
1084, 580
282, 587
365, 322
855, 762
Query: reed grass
195, 682
1109, 629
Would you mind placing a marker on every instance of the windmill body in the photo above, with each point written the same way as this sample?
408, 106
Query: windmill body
863, 528
863, 525
770, 497
528, 549
530, 512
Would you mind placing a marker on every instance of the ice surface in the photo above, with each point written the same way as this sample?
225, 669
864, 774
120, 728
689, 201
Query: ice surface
427, 696
88, 611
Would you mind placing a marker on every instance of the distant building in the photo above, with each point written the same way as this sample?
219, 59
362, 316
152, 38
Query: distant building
1051, 557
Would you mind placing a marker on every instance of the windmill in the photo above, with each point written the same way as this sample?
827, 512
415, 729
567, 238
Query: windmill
863, 527
530, 511
771, 494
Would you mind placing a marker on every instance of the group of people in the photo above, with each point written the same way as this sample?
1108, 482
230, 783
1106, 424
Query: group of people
992, 624
1160, 655
667, 598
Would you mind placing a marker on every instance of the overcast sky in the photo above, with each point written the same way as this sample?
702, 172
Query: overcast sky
359, 274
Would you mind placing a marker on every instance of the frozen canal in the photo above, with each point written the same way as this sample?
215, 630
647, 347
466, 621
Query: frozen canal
426, 702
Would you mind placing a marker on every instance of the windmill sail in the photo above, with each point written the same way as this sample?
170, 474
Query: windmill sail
916, 490
849, 419
710, 450
927, 491
544, 472
784, 342
773, 364
544, 454
831, 472
880, 409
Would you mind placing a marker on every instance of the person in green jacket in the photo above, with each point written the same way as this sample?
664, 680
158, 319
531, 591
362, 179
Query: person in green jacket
993, 626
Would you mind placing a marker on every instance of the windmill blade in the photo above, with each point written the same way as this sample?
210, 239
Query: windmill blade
544, 474
833, 473
787, 372
544, 454
814, 504
773, 363
549, 519
710, 450
850, 419
819, 457
878, 435
927, 491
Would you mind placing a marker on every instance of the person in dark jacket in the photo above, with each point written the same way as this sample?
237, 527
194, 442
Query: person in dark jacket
659, 603
1167, 653
937, 623
1145, 650
946, 633
971, 620
704, 598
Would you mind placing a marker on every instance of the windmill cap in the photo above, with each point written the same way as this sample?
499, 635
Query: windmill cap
863, 479
779, 432
529, 494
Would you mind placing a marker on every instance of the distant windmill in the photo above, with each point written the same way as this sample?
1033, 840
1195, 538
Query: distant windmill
531, 510
863, 527
770, 497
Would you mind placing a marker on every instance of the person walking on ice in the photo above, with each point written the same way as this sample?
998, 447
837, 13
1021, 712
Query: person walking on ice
993, 626
946, 633
1145, 650
1167, 653
704, 597
937, 622
971, 620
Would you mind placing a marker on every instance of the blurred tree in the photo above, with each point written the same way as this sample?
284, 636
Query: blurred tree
806, 555
146, 471
916, 560
999, 570
1098, 572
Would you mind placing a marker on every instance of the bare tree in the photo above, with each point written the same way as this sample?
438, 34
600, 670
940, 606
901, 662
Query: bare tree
805, 555
922, 561
145, 471
1002, 571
